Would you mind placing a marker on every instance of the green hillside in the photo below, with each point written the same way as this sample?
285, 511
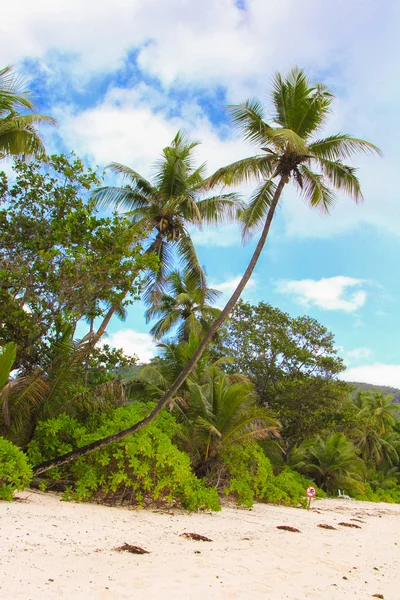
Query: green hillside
384, 389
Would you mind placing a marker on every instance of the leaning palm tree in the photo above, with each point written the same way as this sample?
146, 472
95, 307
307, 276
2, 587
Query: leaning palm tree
291, 151
185, 306
165, 207
18, 133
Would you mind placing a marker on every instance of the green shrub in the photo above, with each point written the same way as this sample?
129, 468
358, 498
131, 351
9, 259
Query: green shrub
248, 472
391, 496
250, 478
289, 488
15, 470
145, 468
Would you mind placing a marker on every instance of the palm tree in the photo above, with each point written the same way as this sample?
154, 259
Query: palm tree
382, 410
373, 436
165, 208
332, 463
18, 133
290, 151
187, 306
218, 412
41, 394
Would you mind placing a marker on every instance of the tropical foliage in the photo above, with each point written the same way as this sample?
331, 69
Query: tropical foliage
186, 307
15, 470
18, 122
166, 207
254, 410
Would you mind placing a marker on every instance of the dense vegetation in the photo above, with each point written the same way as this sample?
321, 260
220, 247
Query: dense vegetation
252, 410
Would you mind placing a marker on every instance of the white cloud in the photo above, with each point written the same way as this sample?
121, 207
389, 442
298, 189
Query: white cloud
215, 45
222, 237
132, 126
133, 343
358, 354
376, 374
327, 293
228, 286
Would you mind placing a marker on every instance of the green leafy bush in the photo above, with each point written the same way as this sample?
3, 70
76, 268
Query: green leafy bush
391, 496
289, 488
145, 468
248, 472
250, 478
15, 470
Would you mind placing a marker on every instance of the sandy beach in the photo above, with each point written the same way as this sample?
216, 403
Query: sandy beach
52, 549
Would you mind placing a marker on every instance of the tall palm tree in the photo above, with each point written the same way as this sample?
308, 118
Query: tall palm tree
290, 151
165, 207
186, 307
18, 133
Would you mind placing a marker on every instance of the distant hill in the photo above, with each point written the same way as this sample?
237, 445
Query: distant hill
384, 389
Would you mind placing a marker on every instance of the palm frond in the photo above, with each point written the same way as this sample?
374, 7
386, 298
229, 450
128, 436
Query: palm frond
248, 118
252, 218
242, 171
342, 177
318, 194
136, 180
340, 147
221, 209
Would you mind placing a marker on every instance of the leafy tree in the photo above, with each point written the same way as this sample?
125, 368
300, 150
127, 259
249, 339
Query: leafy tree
186, 307
18, 133
290, 151
59, 262
293, 365
166, 206
332, 463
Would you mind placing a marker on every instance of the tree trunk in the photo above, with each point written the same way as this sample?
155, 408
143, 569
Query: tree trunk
66, 458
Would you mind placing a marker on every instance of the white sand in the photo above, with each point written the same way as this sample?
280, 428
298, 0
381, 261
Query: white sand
51, 549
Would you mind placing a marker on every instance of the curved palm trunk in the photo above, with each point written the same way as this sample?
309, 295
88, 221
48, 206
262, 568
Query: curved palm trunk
66, 458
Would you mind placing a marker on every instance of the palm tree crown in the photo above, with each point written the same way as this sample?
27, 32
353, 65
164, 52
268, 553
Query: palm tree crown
168, 204
187, 307
18, 133
292, 149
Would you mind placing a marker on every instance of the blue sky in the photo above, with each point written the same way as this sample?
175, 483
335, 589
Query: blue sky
123, 77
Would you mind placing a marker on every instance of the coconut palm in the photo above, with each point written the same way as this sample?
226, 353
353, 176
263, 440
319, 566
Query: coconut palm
18, 133
186, 307
220, 411
381, 409
332, 463
373, 436
165, 207
291, 151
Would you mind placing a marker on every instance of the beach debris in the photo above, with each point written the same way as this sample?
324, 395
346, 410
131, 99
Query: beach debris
358, 520
195, 536
133, 549
288, 528
326, 526
344, 577
378, 596
349, 525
